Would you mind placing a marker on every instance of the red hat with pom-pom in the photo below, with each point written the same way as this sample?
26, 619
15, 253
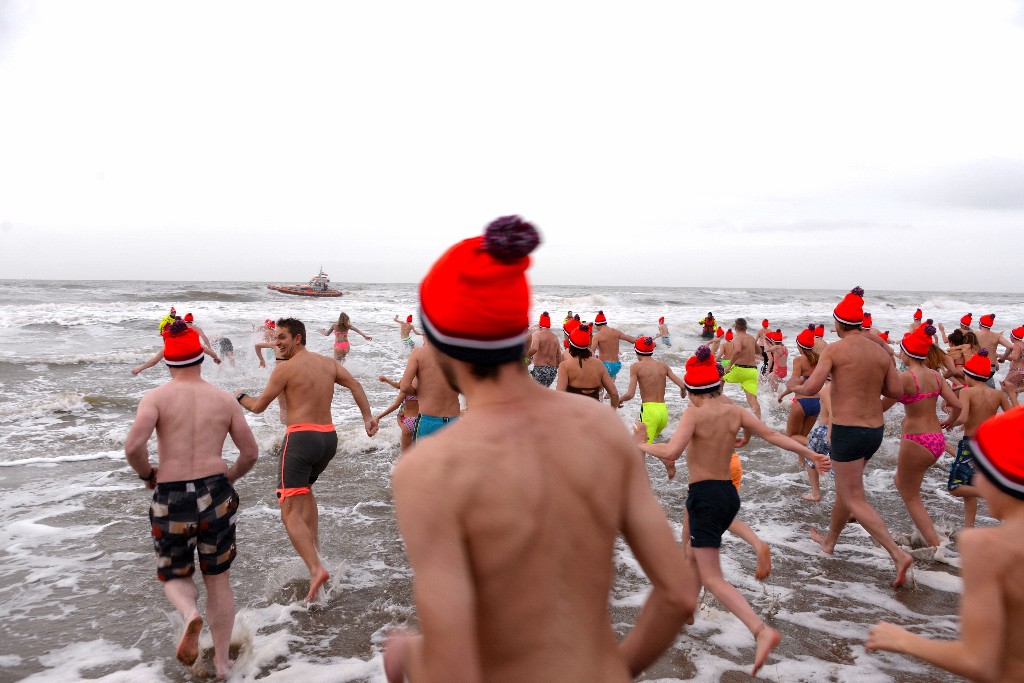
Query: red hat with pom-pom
599, 319
918, 314
475, 300
1017, 333
661, 319
819, 331
545, 320
805, 340
884, 335
998, 447
765, 323
979, 366
719, 332
644, 346
580, 337
966, 320
702, 373
850, 310
916, 344
189, 318
182, 347
987, 321
728, 334
866, 323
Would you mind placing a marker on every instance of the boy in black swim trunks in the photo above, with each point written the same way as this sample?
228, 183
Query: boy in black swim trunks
194, 503
707, 432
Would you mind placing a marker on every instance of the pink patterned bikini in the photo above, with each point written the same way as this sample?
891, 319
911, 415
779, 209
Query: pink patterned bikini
933, 441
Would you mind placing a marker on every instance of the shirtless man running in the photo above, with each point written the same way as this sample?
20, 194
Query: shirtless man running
406, 330
192, 419
862, 372
606, 341
544, 352
990, 340
493, 511
743, 369
306, 380
439, 402
652, 376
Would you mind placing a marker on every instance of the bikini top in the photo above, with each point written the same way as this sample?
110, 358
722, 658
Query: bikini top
592, 392
914, 398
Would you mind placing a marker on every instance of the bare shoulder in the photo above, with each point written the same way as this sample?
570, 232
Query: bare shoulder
990, 547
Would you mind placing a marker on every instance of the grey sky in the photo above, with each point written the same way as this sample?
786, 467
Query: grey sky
752, 144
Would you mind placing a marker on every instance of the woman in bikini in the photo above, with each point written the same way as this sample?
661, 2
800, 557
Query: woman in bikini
1013, 384
583, 374
923, 441
408, 408
340, 331
803, 411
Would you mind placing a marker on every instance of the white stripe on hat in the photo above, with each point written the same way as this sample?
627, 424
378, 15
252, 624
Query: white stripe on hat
472, 343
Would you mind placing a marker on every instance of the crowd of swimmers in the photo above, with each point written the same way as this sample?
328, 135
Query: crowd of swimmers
505, 526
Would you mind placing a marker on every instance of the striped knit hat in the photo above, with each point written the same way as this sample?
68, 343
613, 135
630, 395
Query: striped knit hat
475, 300
805, 340
966, 320
1017, 333
979, 366
599, 319
916, 344
987, 321
182, 347
644, 346
998, 447
866, 323
702, 374
580, 337
850, 310
545, 320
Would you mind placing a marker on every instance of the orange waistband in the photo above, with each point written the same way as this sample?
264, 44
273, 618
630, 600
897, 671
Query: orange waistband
309, 427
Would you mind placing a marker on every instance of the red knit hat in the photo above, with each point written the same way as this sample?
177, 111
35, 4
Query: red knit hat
189, 318
866, 323
182, 347
599, 319
570, 325
805, 340
765, 323
545, 320
702, 372
884, 335
998, 447
979, 366
728, 334
661, 319
966, 320
916, 344
580, 337
1017, 333
775, 337
475, 300
271, 324
850, 310
819, 331
987, 321
918, 314
644, 346
408, 318
719, 332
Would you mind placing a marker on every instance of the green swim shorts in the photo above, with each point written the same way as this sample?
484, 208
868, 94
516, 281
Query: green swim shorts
745, 377
655, 418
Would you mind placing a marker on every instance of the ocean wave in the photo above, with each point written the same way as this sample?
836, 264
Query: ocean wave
56, 459
948, 305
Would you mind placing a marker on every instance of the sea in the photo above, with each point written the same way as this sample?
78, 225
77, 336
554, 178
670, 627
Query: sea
79, 598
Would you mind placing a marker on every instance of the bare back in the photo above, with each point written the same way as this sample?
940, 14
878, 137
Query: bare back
544, 346
858, 367
536, 523
744, 349
709, 452
607, 341
435, 395
651, 377
981, 403
586, 375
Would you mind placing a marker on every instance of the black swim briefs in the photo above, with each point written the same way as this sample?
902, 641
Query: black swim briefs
307, 450
853, 443
711, 505
193, 515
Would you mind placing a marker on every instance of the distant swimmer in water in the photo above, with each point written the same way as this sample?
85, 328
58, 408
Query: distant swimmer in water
743, 369
583, 374
406, 330
494, 511
804, 410
408, 407
194, 504
992, 559
340, 330
606, 343
307, 380
269, 333
861, 374
191, 322
707, 433
663, 335
543, 352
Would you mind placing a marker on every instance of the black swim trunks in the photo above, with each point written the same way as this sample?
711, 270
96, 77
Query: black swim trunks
307, 450
711, 505
853, 443
544, 374
193, 515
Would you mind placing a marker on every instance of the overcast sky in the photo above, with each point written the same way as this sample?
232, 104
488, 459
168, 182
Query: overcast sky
749, 144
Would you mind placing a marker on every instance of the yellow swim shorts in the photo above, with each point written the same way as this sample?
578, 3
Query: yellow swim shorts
655, 418
745, 377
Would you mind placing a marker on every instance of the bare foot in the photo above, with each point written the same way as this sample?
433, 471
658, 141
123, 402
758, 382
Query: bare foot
819, 538
767, 640
764, 562
903, 565
315, 583
222, 674
394, 654
811, 498
188, 646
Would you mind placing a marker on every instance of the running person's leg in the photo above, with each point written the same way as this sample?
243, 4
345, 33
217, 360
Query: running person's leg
914, 460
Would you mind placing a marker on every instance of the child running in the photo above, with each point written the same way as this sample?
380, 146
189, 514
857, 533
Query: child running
707, 432
408, 407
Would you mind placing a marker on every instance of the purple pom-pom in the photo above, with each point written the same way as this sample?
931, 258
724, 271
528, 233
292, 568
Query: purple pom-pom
812, 327
970, 315
929, 330
648, 341
929, 321
992, 315
983, 353
859, 291
867, 314
177, 327
702, 353
545, 313
509, 238
584, 327
721, 370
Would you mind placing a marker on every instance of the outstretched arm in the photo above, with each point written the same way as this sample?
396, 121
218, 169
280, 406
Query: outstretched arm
391, 408
609, 384
242, 437
344, 378
670, 451
813, 384
275, 385
758, 428
631, 389
157, 357
678, 382
135, 444
360, 333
